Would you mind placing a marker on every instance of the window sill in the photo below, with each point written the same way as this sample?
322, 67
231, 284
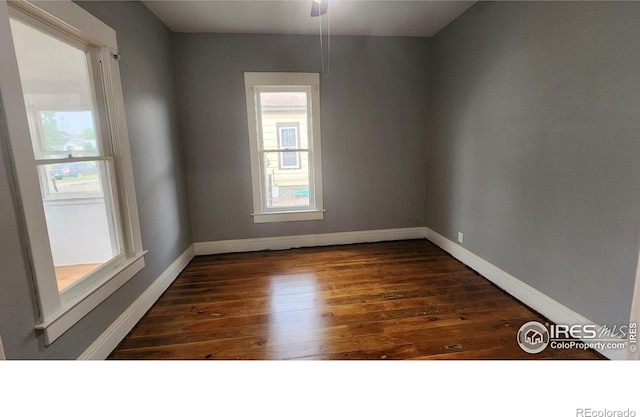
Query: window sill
73, 310
288, 216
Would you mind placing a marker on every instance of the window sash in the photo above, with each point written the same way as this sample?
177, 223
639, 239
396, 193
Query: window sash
265, 183
113, 218
94, 58
109, 174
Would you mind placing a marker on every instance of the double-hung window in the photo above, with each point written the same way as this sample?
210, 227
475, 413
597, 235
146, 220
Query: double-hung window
283, 112
65, 113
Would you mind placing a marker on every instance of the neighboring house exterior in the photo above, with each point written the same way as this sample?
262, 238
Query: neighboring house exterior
285, 126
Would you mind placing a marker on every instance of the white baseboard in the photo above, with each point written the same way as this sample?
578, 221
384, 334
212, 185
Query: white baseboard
115, 333
323, 239
542, 303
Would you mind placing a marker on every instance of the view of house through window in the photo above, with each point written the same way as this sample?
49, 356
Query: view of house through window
283, 112
73, 164
284, 127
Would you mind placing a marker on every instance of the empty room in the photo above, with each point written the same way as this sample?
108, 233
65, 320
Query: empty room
319, 180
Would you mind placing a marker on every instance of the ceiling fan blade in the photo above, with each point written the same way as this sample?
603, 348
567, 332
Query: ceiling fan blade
319, 7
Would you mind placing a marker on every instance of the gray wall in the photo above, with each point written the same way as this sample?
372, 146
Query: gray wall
534, 151
374, 126
149, 94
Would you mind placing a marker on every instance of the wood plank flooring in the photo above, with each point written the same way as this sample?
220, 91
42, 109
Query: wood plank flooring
389, 300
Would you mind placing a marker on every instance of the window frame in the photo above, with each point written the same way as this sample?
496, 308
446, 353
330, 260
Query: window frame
256, 82
59, 311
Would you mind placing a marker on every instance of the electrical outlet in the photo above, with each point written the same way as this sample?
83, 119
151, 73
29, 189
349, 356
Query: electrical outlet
460, 237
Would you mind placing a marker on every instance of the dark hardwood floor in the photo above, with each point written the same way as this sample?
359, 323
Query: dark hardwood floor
390, 300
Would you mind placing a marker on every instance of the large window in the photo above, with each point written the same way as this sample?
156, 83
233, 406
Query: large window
74, 174
284, 131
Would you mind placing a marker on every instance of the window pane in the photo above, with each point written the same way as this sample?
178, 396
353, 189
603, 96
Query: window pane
70, 180
289, 160
286, 187
288, 137
58, 94
69, 132
78, 205
284, 119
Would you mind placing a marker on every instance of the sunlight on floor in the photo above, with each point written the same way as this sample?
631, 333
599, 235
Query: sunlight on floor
298, 294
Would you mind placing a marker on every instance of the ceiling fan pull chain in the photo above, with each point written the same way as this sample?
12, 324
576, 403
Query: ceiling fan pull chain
319, 8
321, 49
328, 42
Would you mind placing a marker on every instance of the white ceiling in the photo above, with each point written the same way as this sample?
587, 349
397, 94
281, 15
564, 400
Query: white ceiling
347, 17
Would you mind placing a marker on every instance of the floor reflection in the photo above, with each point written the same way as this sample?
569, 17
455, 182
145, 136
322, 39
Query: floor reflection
294, 295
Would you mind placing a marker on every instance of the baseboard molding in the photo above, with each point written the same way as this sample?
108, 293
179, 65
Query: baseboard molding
115, 333
298, 241
542, 303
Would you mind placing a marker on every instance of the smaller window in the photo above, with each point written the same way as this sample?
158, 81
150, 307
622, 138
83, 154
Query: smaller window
288, 139
284, 130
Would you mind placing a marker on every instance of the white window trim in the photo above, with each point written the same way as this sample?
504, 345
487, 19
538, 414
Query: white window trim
60, 311
285, 79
